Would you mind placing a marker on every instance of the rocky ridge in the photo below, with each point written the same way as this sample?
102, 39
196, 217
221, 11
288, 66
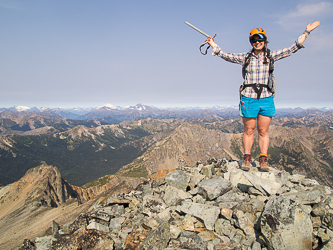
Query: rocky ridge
207, 206
188, 143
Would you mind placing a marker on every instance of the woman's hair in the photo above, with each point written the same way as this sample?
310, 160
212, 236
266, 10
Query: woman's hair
265, 55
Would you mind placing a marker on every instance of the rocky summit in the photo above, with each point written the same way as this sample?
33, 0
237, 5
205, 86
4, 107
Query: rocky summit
214, 205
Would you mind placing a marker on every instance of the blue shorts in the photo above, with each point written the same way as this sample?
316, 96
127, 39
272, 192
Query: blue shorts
251, 108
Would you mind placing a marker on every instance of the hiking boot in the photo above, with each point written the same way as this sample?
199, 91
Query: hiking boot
246, 163
263, 163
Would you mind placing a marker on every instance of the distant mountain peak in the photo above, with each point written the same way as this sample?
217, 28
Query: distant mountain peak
21, 108
140, 107
109, 106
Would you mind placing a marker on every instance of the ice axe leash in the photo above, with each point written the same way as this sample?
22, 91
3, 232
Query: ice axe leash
203, 33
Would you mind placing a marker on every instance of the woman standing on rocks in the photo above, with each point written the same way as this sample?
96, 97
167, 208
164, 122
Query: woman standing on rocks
257, 104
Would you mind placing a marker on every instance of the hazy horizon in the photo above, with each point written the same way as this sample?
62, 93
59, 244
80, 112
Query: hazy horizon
155, 106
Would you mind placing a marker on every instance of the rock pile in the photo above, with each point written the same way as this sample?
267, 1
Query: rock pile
213, 206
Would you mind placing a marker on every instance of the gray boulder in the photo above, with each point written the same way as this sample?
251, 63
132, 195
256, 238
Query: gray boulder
174, 196
207, 213
115, 224
223, 227
244, 222
312, 196
265, 183
189, 240
328, 220
152, 204
195, 179
44, 243
210, 189
178, 179
231, 199
297, 178
102, 214
285, 225
158, 238
98, 226
208, 171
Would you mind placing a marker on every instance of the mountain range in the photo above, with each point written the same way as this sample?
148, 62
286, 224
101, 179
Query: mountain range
139, 148
49, 165
114, 114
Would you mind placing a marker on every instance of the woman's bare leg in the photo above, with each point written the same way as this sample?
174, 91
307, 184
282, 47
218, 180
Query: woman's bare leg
249, 128
262, 126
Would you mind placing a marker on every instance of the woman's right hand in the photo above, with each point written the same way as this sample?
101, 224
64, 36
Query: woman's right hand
210, 41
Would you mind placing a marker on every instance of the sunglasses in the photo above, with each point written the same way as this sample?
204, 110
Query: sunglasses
257, 40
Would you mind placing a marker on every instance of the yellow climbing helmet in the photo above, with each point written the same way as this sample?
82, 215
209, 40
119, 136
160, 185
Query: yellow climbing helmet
258, 31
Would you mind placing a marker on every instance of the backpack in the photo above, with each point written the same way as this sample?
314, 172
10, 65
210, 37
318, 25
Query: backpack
271, 80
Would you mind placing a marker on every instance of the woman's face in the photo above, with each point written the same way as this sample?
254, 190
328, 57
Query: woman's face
258, 45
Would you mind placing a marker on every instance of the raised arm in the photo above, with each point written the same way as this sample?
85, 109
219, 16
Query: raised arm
310, 27
230, 57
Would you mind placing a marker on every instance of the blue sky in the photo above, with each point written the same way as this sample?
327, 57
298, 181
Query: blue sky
89, 53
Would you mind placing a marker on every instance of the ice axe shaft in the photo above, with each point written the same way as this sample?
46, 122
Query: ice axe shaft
200, 31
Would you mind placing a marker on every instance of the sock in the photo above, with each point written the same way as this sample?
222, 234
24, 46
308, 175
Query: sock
263, 155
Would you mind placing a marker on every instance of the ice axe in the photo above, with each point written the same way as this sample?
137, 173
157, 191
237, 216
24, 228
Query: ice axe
200, 31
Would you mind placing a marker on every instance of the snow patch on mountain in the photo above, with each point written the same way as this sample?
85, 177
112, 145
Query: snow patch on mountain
21, 108
109, 106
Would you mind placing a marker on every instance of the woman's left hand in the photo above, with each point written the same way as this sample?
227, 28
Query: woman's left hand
311, 26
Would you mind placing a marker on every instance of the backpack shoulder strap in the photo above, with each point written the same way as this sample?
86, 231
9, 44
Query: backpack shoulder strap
271, 61
244, 65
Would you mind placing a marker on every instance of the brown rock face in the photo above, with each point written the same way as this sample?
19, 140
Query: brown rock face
42, 185
28, 206
187, 144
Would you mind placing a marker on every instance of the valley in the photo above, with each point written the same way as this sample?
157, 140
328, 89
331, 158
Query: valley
82, 154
